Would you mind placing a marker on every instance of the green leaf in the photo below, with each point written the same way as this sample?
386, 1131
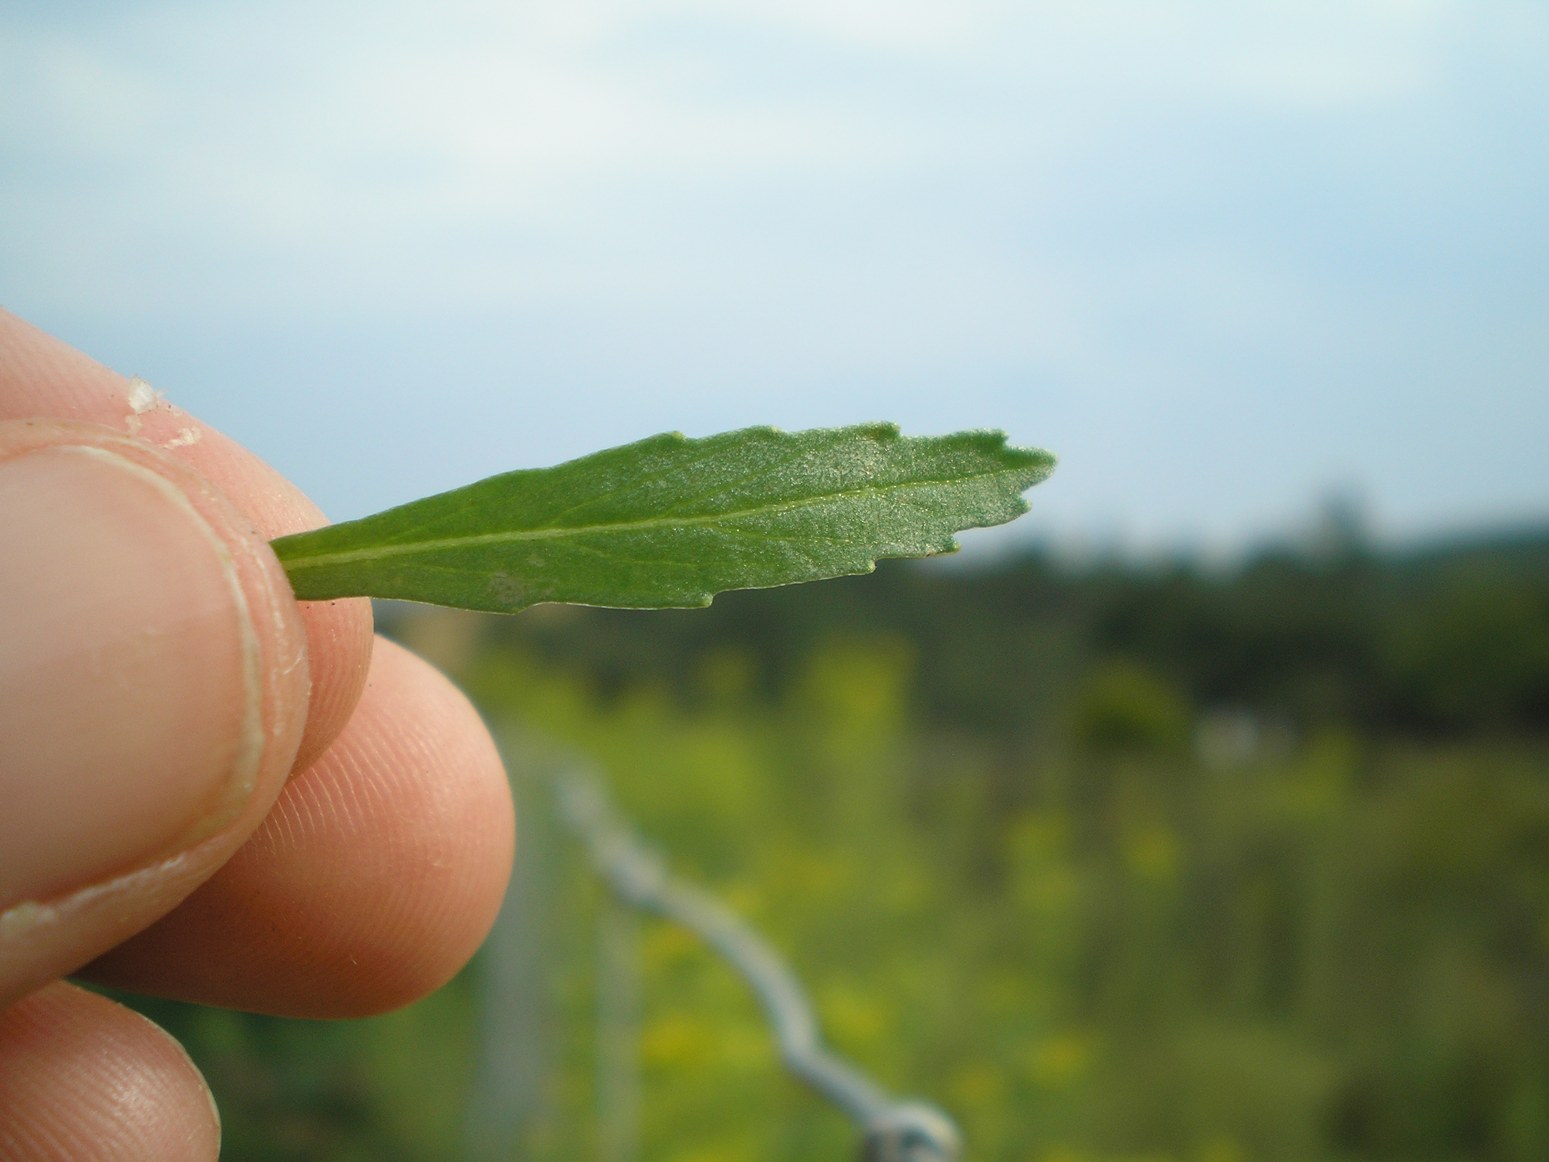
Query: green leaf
669, 522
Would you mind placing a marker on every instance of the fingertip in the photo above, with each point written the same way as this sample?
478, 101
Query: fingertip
157, 699
431, 786
43, 376
85, 1079
340, 637
374, 879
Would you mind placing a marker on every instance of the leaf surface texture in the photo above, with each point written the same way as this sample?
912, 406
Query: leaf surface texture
669, 522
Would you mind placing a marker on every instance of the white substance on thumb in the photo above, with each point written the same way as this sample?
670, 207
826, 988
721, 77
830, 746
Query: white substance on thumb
142, 398
184, 437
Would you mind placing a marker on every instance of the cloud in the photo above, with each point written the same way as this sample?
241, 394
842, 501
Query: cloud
1150, 220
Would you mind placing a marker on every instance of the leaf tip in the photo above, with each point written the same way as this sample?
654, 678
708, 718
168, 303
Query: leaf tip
1038, 464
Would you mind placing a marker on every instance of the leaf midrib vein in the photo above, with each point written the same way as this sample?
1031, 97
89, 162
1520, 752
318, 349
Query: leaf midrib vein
405, 548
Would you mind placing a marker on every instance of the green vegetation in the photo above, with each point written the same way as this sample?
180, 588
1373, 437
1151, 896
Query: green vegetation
669, 522
1115, 863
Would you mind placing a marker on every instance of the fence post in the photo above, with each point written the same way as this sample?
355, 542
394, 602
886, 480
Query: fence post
618, 1032
512, 983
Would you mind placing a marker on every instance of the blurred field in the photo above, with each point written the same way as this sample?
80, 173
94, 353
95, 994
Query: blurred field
1114, 862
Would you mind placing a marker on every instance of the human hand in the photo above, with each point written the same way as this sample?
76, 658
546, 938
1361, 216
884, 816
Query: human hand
207, 790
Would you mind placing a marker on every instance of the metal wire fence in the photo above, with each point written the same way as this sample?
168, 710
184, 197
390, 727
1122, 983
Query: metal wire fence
890, 1129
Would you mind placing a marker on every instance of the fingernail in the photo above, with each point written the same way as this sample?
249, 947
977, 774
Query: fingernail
129, 698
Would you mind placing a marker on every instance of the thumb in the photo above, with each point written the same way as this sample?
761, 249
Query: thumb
152, 690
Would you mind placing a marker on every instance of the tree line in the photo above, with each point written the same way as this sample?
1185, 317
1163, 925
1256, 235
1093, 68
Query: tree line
1446, 642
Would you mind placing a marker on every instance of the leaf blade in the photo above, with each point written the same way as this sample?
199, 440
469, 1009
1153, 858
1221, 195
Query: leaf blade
668, 522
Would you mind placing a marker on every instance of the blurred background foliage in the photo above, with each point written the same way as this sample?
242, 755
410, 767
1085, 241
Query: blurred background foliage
1116, 862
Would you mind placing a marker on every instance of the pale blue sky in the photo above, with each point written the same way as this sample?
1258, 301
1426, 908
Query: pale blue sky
1224, 259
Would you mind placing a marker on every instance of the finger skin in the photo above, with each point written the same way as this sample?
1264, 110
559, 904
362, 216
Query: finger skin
42, 377
375, 877
83, 1079
44, 939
